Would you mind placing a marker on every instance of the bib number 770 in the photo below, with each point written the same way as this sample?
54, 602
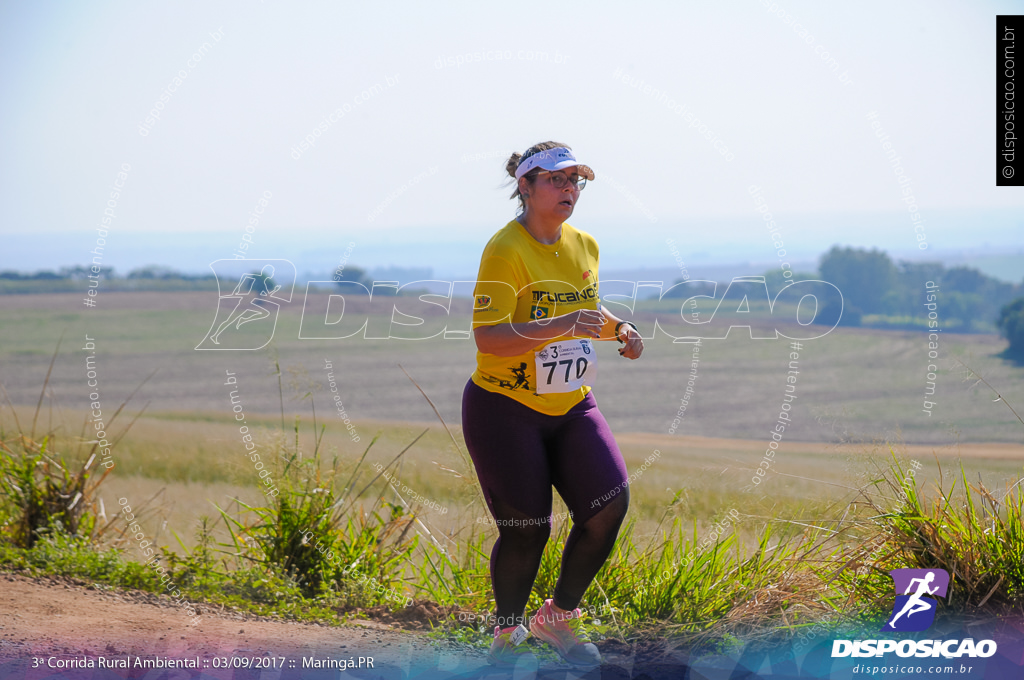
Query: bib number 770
565, 366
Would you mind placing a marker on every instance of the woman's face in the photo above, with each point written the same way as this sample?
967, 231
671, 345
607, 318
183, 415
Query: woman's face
544, 198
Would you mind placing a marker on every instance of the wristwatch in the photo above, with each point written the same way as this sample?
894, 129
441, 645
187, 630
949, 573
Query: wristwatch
620, 325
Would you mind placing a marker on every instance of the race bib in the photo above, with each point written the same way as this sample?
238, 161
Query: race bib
565, 366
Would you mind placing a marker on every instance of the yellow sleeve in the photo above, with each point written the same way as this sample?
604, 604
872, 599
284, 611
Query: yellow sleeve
593, 257
597, 261
494, 297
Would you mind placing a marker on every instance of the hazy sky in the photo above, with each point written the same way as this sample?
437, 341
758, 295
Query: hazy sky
79, 80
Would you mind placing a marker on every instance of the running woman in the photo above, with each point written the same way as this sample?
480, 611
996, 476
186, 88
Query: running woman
529, 417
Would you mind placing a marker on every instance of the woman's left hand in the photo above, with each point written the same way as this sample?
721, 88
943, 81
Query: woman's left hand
634, 346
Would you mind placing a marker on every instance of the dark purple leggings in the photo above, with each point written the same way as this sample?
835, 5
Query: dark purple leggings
519, 454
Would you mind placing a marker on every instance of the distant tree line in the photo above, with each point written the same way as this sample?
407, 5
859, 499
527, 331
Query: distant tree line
151, 272
893, 294
871, 283
79, 273
151, 277
357, 274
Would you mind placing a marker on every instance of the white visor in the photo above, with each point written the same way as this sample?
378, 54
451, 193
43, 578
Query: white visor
558, 158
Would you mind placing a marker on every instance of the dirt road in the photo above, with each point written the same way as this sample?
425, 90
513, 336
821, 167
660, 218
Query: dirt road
53, 623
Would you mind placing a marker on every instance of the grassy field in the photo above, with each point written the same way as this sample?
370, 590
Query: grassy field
797, 547
858, 391
853, 385
192, 463
856, 414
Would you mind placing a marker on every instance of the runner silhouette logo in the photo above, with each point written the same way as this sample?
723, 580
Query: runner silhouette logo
913, 610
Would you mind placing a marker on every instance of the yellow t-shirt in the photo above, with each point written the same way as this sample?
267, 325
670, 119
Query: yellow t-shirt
522, 279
